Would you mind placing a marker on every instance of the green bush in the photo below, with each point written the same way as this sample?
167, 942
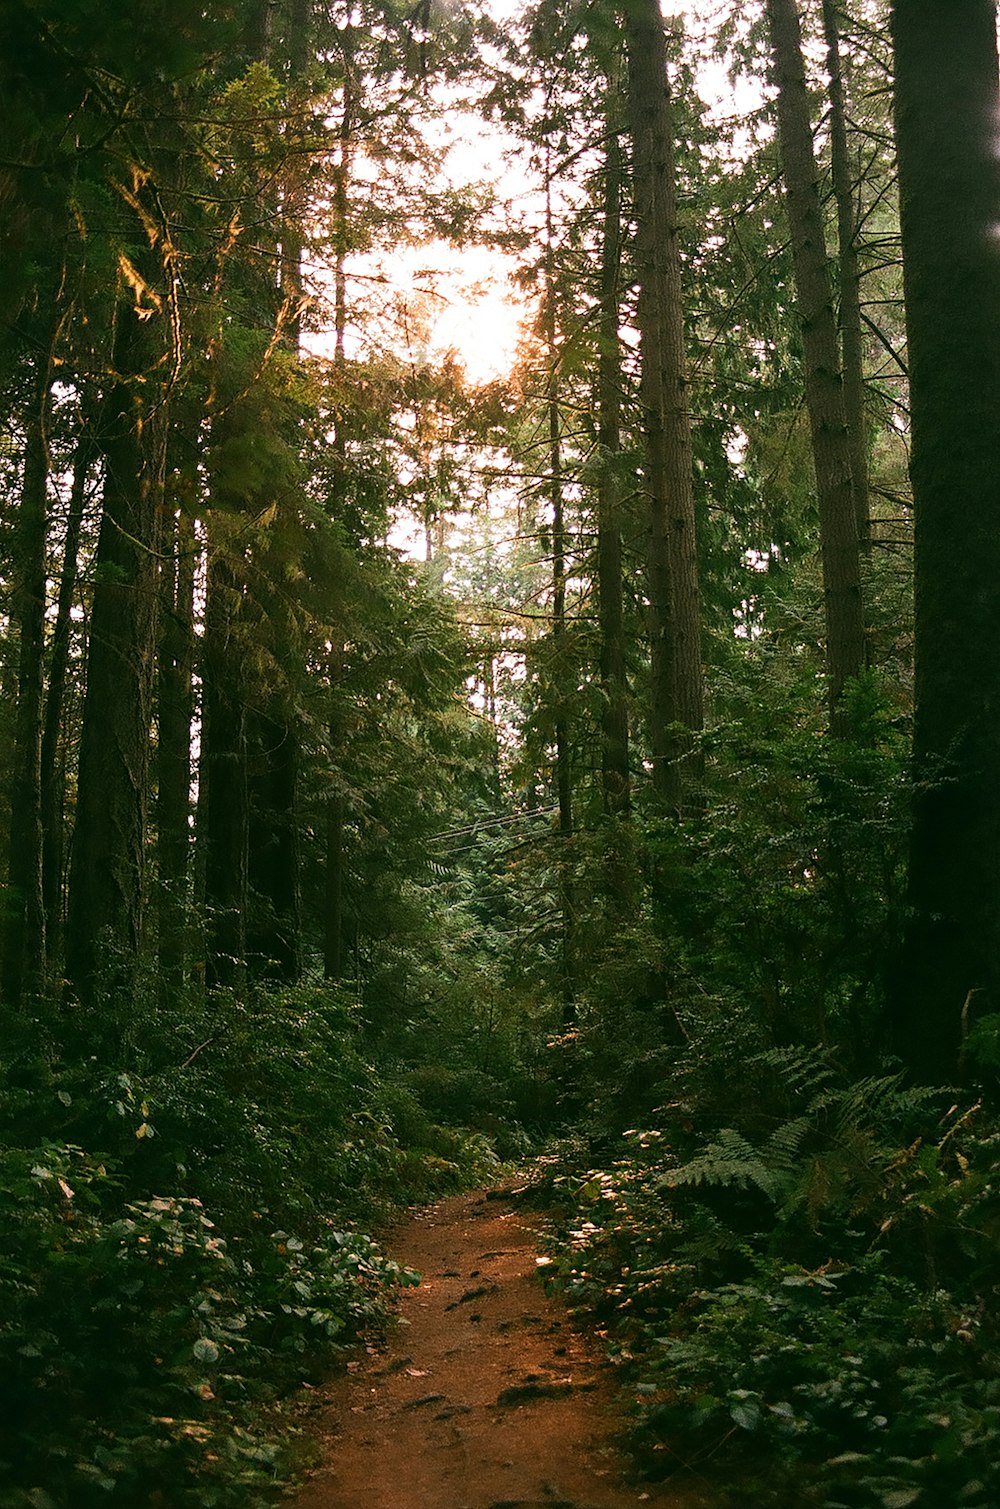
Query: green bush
137, 1345
808, 1304
160, 1295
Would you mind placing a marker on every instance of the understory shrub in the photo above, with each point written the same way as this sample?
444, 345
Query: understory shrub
809, 1303
187, 1243
138, 1346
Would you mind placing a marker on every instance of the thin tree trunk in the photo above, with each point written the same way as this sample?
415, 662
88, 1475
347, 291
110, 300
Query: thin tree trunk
947, 105
273, 950
677, 693
614, 711
851, 326
333, 931
52, 766
273, 942
223, 825
564, 788
845, 628
175, 710
24, 930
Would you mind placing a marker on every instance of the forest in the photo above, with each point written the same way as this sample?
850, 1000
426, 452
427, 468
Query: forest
425, 763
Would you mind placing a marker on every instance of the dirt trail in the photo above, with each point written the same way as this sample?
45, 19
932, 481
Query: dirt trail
485, 1397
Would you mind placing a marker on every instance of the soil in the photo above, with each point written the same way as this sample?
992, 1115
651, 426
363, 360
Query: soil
484, 1397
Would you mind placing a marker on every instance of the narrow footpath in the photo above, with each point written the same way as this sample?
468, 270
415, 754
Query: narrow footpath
485, 1397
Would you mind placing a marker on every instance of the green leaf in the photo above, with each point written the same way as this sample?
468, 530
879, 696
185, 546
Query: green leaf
205, 1350
744, 1410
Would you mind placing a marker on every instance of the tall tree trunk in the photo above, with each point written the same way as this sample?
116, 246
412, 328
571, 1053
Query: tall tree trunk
614, 711
831, 448
677, 699
52, 764
851, 341
333, 931
947, 105
273, 950
273, 941
24, 929
556, 500
104, 920
222, 772
175, 710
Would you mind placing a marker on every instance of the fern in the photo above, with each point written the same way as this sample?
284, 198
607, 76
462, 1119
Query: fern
730, 1162
883, 1105
801, 1070
829, 1157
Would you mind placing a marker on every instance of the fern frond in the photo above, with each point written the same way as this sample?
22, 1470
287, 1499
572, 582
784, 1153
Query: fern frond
730, 1162
783, 1151
802, 1071
881, 1105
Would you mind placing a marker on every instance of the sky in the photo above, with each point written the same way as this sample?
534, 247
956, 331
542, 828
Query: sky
479, 314
441, 299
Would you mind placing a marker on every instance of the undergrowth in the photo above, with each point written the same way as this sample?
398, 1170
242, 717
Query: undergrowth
185, 1238
801, 1294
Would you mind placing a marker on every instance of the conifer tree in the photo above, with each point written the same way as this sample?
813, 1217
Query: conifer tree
677, 699
947, 104
831, 437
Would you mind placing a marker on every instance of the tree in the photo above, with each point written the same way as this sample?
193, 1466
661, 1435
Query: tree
615, 780
831, 447
174, 716
24, 933
946, 109
677, 699
106, 897
850, 316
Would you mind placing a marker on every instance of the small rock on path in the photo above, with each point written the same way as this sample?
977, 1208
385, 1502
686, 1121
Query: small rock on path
485, 1398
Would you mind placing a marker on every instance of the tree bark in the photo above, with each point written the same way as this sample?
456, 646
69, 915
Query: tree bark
850, 322
273, 740
106, 894
845, 628
273, 948
223, 823
947, 105
333, 928
52, 765
336, 857
24, 929
677, 694
615, 780
556, 690
175, 710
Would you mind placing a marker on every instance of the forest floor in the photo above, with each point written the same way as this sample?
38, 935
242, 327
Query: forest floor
484, 1396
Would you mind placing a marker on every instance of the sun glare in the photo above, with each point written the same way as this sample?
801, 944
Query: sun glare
475, 313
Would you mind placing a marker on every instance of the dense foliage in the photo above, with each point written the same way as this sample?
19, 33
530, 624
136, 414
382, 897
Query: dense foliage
402, 770
188, 1243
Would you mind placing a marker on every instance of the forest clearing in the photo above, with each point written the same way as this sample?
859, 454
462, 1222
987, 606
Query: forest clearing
500, 665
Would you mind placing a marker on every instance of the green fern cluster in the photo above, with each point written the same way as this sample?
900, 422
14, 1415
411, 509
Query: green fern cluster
828, 1157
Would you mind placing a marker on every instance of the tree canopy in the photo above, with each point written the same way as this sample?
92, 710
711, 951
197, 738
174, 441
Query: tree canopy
574, 738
